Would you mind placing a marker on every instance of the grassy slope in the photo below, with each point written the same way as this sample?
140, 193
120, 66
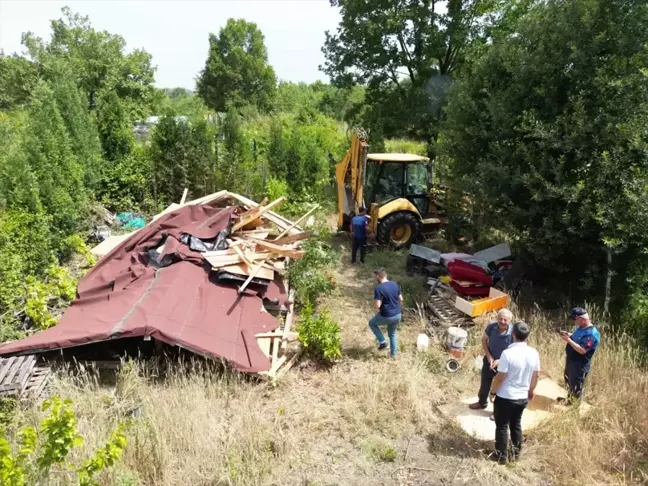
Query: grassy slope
367, 421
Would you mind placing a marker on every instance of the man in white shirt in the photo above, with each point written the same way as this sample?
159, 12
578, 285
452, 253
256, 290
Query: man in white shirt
513, 387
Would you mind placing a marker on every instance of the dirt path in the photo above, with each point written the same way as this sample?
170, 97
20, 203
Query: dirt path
383, 424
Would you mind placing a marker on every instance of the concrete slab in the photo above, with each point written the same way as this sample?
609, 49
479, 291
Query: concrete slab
477, 423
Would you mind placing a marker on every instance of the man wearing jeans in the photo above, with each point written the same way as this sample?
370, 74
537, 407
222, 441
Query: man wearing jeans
359, 227
388, 300
513, 387
495, 340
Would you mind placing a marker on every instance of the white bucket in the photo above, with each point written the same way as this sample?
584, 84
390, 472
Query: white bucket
457, 337
422, 342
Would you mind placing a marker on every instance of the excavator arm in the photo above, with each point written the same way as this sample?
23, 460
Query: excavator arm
350, 176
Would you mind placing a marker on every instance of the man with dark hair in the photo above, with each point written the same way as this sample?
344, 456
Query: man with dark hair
388, 300
512, 389
359, 227
580, 348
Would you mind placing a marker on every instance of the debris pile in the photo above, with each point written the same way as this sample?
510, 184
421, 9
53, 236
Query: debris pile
463, 286
207, 276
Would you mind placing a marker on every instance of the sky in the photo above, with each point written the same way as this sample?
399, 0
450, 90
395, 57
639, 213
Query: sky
176, 33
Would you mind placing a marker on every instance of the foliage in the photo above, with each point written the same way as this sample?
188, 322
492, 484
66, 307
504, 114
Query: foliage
402, 145
18, 77
114, 127
306, 275
99, 59
181, 156
237, 72
319, 335
548, 131
405, 53
38, 452
43, 297
104, 458
126, 184
301, 151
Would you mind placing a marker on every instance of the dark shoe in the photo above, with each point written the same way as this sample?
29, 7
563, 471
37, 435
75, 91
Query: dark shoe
492, 418
496, 457
382, 346
477, 406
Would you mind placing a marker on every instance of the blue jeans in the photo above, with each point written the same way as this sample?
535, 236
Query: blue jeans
392, 324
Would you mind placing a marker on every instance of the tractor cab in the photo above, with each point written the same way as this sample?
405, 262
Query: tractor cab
398, 193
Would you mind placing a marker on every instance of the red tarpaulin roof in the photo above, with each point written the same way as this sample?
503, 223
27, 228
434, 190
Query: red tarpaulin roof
181, 304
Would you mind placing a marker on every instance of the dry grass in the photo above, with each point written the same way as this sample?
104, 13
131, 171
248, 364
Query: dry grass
366, 421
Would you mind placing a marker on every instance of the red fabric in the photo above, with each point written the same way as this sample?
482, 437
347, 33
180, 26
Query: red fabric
469, 291
124, 297
460, 270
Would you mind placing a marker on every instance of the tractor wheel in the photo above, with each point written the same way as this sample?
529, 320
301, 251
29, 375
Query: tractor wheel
398, 230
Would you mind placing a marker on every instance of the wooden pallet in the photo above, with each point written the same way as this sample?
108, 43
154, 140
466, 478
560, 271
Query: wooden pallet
444, 313
23, 377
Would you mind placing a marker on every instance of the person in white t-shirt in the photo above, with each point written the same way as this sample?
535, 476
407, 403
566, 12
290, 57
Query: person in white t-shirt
512, 389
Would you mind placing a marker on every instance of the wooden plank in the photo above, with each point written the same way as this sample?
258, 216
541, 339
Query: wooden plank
277, 364
289, 318
6, 366
271, 216
264, 344
209, 198
184, 196
265, 273
26, 370
253, 273
290, 364
285, 240
292, 226
280, 250
257, 215
14, 369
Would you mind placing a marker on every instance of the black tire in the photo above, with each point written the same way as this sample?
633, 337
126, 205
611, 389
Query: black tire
394, 220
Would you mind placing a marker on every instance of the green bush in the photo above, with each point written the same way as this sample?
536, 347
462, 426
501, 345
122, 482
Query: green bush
404, 145
319, 335
43, 453
306, 275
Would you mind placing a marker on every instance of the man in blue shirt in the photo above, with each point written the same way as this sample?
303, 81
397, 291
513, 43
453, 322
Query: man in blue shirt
496, 338
388, 300
581, 346
359, 227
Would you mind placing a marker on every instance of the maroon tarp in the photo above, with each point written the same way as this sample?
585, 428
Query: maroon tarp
181, 304
460, 270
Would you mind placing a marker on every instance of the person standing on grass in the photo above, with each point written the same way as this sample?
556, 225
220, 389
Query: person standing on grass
389, 301
580, 347
359, 228
495, 340
513, 387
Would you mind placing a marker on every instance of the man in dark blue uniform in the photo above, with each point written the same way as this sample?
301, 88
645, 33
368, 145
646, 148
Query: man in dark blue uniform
359, 227
581, 346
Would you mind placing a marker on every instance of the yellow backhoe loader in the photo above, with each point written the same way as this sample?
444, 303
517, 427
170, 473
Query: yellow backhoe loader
395, 188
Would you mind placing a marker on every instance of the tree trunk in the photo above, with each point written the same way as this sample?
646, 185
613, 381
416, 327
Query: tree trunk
608, 283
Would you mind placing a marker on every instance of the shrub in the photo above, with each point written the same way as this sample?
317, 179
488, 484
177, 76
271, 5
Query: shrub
306, 275
38, 452
319, 335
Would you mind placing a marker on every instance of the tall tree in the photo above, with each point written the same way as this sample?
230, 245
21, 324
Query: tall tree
548, 131
237, 72
99, 60
80, 125
18, 77
58, 172
406, 52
